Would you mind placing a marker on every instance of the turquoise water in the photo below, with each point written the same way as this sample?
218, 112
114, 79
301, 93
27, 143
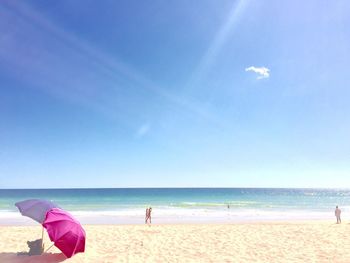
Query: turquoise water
127, 205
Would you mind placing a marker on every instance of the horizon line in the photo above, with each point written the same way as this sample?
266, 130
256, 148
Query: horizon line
185, 187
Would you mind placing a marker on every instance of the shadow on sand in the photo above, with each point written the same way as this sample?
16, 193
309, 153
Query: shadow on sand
46, 257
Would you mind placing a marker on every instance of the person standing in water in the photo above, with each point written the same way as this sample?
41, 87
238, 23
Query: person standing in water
337, 213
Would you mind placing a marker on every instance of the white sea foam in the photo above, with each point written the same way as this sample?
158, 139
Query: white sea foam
176, 215
182, 215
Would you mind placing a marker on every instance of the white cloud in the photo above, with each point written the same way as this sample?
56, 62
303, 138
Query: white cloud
262, 72
143, 130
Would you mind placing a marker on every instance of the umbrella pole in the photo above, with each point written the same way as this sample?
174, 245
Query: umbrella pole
48, 248
42, 239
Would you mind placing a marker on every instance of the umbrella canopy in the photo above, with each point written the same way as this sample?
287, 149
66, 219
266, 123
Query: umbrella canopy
35, 208
65, 231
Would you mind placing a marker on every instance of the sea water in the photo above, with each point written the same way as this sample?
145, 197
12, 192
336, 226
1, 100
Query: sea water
182, 205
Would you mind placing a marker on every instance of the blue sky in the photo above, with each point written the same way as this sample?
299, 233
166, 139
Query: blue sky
174, 93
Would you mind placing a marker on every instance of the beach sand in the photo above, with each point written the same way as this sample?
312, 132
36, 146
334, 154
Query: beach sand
314, 241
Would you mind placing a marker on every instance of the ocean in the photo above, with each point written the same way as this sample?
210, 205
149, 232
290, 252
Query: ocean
181, 205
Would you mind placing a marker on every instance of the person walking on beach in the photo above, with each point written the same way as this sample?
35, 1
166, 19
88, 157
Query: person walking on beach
337, 213
148, 215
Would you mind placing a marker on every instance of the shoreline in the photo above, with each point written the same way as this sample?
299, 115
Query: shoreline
193, 223
189, 216
224, 223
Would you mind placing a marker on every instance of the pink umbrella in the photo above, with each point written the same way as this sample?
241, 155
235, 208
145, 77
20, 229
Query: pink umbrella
65, 231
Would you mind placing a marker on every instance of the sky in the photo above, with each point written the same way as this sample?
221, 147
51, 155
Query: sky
239, 93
